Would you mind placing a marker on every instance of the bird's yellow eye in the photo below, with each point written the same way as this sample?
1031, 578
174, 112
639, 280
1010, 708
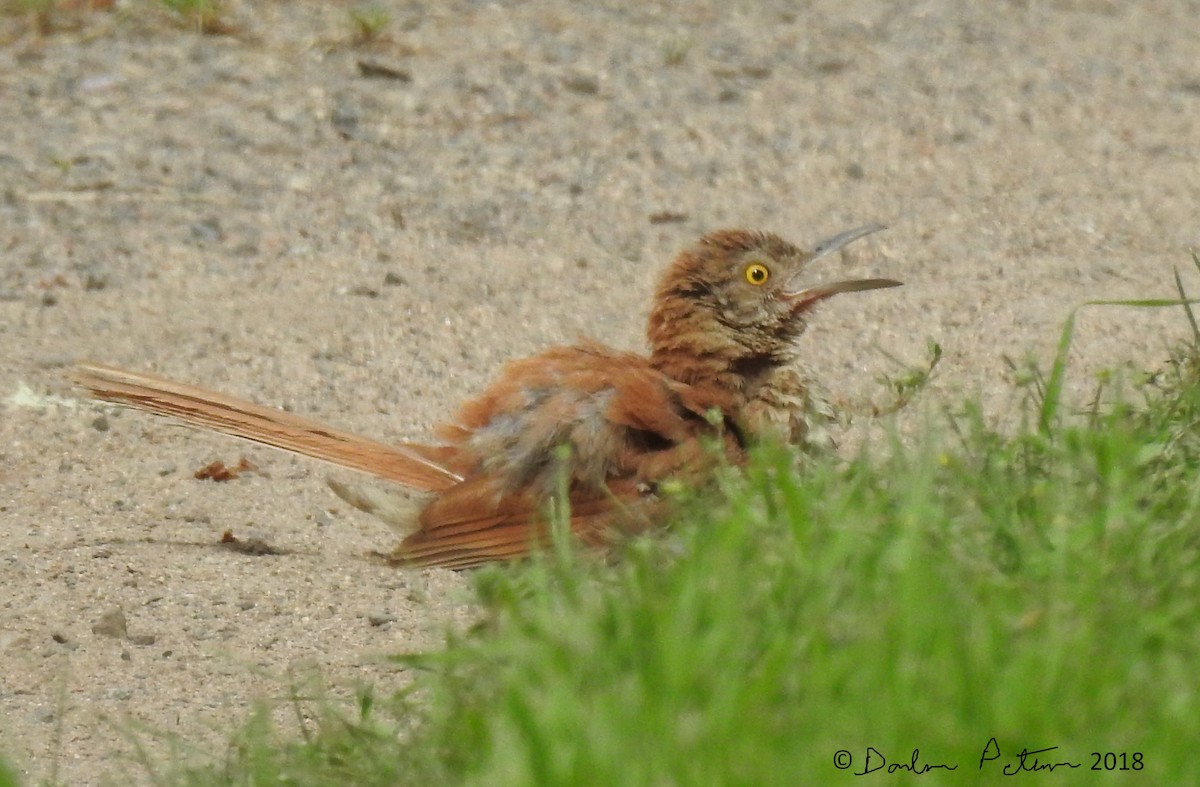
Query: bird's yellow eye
757, 273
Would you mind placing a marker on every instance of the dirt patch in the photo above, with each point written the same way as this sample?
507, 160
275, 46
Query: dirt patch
363, 233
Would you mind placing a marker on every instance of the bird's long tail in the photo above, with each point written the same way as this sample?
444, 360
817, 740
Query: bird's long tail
411, 465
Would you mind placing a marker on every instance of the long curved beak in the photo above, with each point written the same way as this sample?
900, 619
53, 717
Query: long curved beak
818, 292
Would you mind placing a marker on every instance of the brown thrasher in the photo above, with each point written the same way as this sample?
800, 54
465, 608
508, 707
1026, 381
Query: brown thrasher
607, 426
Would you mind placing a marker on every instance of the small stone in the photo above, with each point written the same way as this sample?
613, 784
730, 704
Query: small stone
55, 360
381, 619
397, 216
207, 231
61, 639
345, 120
112, 624
667, 217
377, 69
831, 66
100, 423
143, 640
583, 84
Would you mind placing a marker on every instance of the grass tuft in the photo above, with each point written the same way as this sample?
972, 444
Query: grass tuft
205, 16
369, 22
675, 50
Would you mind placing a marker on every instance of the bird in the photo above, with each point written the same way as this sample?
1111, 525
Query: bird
603, 430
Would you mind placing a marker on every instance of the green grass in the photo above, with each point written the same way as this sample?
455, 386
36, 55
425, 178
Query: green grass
369, 22
974, 592
7, 777
205, 16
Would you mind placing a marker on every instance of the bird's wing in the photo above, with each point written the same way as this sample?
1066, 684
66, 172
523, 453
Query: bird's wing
609, 410
469, 526
415, 466
605, 425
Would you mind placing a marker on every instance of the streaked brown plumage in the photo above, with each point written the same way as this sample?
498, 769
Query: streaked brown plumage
610, 425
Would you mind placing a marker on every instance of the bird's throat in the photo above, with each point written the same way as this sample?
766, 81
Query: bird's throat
737, 376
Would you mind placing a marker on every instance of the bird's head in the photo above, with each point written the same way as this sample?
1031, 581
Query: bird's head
739, 296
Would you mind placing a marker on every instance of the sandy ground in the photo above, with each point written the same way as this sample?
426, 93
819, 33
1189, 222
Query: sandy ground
257, 214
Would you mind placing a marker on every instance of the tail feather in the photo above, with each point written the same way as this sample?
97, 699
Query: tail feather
405, 464
467, 524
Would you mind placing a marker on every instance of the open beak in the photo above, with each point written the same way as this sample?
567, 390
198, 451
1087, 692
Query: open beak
806, 296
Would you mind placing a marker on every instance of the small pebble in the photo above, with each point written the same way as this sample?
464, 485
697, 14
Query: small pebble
376, 69
582, 84
111, 624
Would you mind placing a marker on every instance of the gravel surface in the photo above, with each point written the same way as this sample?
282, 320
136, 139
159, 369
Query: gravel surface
364, 232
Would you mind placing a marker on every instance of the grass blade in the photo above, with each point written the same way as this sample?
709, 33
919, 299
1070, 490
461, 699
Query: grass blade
1187, 306
1054, 385
1052, 397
